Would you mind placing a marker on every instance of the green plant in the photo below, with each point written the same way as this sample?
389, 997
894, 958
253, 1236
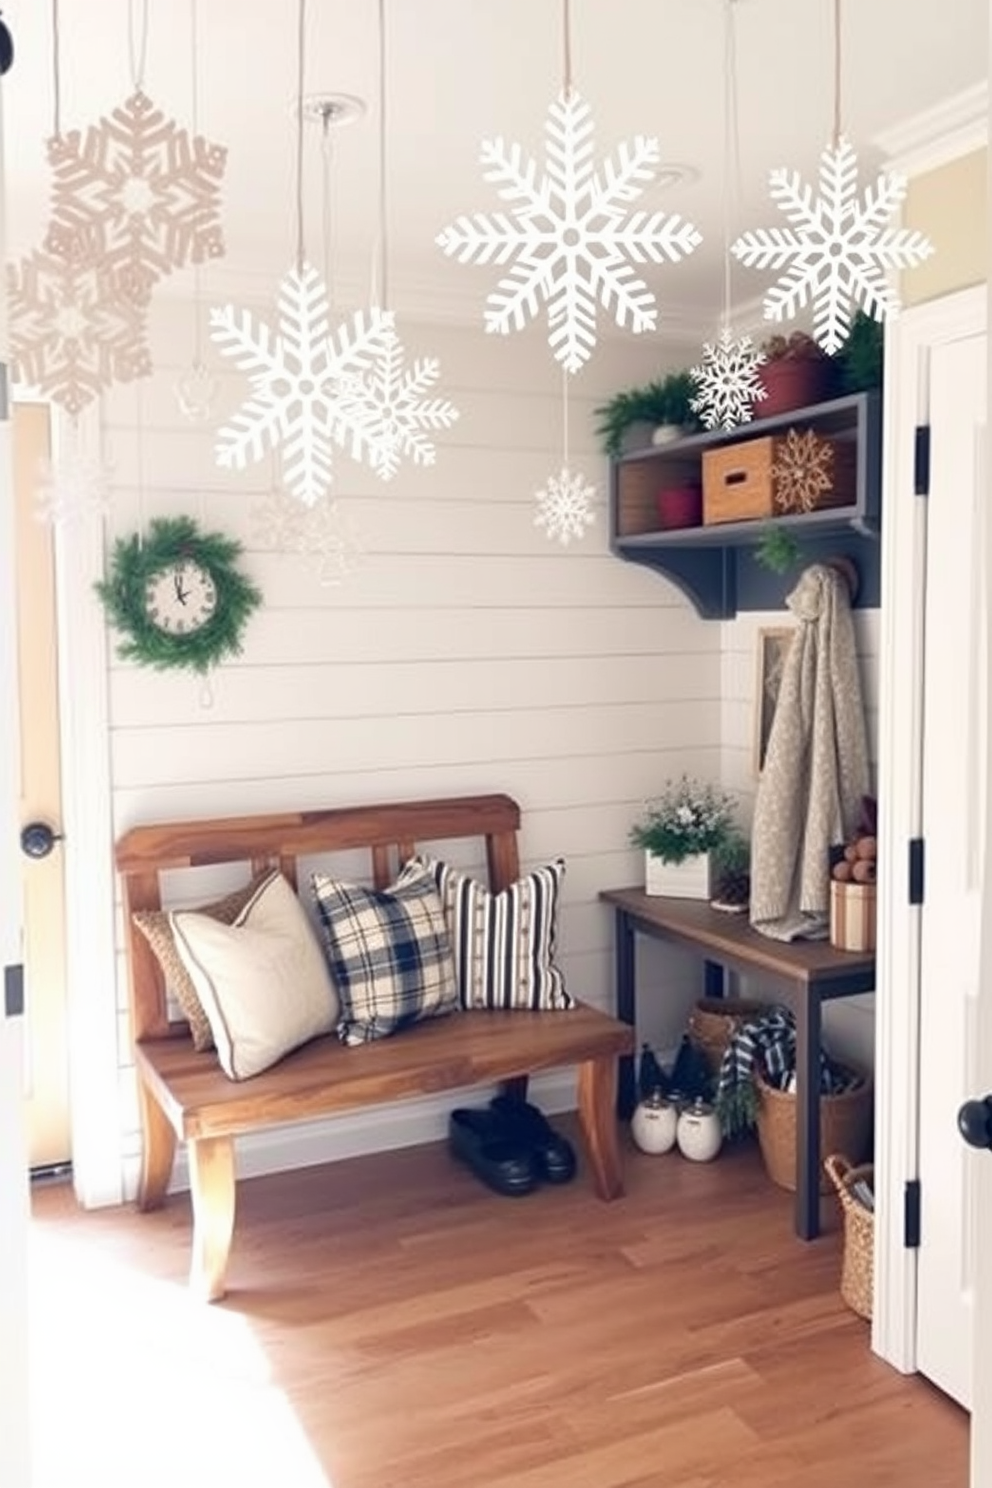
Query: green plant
777, 548
688, 817
665, 401
733, 854
861, 358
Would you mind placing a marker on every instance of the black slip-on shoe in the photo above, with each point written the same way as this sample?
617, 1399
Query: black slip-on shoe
553, 1153
479, 1138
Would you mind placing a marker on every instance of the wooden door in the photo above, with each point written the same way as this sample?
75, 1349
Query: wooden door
955, 975
46, 1030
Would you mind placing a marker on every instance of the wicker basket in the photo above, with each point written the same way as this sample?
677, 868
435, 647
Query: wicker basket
714, 1021
845, 1126
856, 1285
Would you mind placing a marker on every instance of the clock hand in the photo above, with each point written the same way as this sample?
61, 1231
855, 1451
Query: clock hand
181, 594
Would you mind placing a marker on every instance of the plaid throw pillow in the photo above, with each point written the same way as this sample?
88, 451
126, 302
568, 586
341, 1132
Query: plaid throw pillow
388, 952
503, 944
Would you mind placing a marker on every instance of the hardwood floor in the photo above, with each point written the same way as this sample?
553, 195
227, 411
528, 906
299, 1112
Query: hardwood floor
392, 1324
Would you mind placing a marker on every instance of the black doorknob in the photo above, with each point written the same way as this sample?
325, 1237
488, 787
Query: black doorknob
975, 1122
38, 839
6, 49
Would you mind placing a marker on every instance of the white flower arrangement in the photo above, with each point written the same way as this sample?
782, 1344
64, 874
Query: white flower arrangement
688, 817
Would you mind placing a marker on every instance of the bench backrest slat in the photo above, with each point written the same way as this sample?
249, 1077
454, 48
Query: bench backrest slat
391, 833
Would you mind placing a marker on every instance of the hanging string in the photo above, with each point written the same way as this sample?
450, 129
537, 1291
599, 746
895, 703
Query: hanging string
837, 73
195, 111
379, 288
327, 223
139, 451
566, 48
301, 30
731, 150
137, 45
56, 73
564, 419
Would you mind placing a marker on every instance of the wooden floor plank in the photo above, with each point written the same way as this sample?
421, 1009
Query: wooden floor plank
392, 1324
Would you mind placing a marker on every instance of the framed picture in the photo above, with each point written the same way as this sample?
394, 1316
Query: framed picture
773, 647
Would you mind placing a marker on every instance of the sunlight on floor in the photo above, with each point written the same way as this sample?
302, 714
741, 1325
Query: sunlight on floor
135, 1385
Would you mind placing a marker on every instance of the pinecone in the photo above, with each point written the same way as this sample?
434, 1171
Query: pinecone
733, 886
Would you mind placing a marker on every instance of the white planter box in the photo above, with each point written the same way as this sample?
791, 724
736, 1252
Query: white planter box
689, 879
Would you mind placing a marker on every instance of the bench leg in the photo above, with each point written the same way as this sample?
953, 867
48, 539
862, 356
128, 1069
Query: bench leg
598, 1119
158, 1150
211, 1180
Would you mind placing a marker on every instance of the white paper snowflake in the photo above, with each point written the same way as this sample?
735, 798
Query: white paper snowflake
306, 385
72, 332
728, 381
320, 534
564, 506
277, 522
72, 488
570, 233
137, 194
839, 252
390, 406
196, 393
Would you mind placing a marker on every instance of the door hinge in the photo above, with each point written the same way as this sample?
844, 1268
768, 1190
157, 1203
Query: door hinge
921, 461
916, 856
911, 1215
13, 991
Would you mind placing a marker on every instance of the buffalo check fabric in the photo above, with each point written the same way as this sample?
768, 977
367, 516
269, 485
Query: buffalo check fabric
389, 954
504, 944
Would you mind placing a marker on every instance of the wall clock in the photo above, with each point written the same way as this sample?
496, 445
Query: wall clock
177, 596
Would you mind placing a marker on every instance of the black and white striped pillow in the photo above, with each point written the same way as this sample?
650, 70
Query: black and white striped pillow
503, 944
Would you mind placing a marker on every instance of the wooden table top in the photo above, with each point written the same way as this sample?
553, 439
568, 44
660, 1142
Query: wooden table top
730, 940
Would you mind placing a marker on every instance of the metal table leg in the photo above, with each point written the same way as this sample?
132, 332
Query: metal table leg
808, 1115
626, 1009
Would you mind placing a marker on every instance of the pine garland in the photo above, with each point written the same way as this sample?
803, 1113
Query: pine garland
136, 559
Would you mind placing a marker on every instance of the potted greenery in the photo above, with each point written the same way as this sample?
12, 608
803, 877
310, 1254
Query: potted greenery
860, 360
796, 373
679, 831
777, 548
664, 403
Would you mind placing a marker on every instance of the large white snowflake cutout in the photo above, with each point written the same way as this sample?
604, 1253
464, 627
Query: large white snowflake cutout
564, 506
306, 385
839, 252
570, 233
728, 381
72, 332
390, 406
137, 194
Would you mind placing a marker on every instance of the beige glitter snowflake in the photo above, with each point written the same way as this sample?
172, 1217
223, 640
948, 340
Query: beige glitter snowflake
136, 193
72, 332
803, 470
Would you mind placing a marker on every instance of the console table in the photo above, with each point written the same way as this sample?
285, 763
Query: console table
814, 971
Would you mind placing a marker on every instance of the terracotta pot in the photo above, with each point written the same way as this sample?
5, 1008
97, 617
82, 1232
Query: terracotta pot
680, 506
794, 382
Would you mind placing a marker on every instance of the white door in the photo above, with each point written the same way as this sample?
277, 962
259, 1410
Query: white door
14, 1453
955, 966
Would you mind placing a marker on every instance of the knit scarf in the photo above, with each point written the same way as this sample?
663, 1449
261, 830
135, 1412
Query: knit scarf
767, 1044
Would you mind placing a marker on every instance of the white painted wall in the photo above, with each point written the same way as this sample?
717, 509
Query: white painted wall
467, 653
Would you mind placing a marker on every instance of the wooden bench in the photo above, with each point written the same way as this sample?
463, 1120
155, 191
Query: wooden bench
185, 1095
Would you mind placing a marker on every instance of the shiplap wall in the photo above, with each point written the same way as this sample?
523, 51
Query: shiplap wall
849, 1026
466, 653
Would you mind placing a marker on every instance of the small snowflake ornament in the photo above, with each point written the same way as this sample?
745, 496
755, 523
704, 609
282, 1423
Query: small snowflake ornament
307, 386
802, 471
73, 333
391, 408
564, 506
277, 522
196, 393
839, 251
136, 194
330, 543
728, 381
570, 234
72, 488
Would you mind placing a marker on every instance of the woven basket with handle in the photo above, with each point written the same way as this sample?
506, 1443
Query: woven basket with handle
714, 1021
856, 1285
845, 1126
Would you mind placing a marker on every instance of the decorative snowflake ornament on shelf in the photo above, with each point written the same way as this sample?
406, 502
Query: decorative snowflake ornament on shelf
728, 381
72, 488
307, 386
136, 194
564, 506
397, 417
570, 233
72, 331
802, 471
839, 251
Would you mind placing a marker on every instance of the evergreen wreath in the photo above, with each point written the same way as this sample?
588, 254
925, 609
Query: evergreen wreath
137, 559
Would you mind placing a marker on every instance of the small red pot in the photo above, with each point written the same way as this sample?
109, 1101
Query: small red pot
680, 506
794, 382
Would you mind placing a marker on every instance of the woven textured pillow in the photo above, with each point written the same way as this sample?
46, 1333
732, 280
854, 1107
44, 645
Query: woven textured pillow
504, 944
155, 927
263, 981
388, 952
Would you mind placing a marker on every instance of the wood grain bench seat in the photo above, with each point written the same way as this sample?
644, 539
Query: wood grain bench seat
185, 1096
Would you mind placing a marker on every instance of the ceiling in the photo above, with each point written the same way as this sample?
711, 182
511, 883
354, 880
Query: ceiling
459, 71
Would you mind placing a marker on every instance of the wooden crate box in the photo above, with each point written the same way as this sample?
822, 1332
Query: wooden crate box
740, 483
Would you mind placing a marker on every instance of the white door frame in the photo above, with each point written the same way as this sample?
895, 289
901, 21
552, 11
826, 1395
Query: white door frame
900, 805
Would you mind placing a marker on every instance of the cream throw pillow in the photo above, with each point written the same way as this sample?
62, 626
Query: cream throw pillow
263, 981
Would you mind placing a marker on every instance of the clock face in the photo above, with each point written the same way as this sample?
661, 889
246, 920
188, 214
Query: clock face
181, 598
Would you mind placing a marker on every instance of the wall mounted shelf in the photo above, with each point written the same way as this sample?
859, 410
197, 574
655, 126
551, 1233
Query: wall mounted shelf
714, 566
